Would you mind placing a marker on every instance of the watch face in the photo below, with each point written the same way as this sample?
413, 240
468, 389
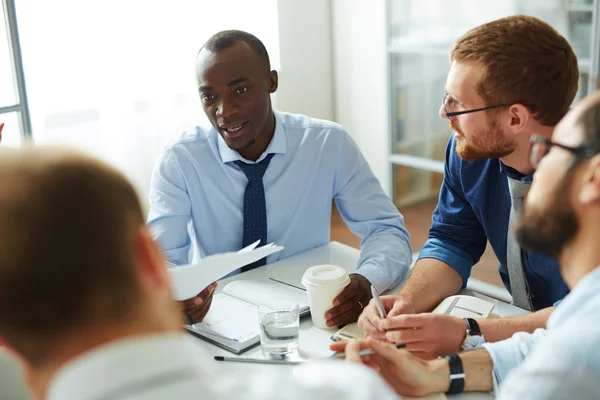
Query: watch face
473, 342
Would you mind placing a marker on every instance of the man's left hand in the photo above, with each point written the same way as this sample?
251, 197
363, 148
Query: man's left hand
348, 305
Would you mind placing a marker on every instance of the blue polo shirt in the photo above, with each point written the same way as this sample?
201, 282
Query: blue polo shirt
474, 207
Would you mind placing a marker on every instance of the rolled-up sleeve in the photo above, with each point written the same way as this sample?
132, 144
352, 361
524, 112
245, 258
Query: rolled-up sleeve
170, 209
386, 254
456, 236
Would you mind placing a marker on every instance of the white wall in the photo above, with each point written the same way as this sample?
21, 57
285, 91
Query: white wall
360, 79
305, 74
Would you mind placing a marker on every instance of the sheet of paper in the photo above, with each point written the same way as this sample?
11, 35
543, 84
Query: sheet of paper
189, 280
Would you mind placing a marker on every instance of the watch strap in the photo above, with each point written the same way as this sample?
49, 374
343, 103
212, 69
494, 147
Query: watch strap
472, 327
457, 374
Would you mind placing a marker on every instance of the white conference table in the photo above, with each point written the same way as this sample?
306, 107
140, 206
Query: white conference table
314, 342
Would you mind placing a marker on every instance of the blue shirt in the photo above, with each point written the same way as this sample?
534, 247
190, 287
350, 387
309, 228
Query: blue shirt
562, 362
197, 185
474, 207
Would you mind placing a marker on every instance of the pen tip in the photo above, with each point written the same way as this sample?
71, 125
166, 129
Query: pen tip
219, 358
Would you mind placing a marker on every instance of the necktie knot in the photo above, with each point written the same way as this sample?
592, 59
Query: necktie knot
255, 172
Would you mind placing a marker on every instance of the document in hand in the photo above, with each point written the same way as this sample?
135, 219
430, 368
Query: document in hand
189, 280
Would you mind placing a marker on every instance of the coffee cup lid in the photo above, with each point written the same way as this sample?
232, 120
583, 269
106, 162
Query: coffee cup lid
326, 276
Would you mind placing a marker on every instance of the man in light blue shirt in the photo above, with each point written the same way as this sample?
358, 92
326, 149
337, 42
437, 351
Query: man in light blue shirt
561, 218
200, 185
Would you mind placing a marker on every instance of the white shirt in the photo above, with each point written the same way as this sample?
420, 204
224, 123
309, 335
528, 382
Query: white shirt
562, 362
168, 366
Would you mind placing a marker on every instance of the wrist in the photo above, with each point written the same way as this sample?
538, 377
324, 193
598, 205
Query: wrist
439, 371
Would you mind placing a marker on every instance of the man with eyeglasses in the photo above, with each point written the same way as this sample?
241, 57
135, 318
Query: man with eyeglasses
508, 79
561, 218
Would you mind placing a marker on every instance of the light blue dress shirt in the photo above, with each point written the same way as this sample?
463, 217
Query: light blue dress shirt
561, 362
197, 194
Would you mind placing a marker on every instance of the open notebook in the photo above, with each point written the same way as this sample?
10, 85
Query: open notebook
232, 322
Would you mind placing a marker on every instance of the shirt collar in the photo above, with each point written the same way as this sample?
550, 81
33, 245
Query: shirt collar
585, 289
514, 174
101, 371
278, 144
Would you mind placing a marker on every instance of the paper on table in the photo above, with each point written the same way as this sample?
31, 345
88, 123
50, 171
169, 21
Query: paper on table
189, 280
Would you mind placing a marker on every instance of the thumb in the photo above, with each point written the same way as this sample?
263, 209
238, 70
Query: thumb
384, 349
352, 351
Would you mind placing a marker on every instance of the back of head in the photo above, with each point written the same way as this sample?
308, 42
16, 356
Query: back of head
67, 225
527, 62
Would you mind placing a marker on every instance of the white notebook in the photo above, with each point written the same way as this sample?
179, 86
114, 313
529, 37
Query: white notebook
232, 321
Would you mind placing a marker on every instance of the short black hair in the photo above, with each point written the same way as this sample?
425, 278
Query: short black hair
225, 39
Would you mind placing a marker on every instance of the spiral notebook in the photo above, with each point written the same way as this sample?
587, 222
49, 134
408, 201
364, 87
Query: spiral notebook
232, 321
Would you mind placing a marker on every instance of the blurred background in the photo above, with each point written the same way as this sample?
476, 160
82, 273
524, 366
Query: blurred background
116, 77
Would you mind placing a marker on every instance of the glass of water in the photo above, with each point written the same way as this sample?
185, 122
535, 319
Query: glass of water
279, 328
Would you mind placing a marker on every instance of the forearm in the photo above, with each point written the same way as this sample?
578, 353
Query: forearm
430, 282
385, 257
496, 329
477, 366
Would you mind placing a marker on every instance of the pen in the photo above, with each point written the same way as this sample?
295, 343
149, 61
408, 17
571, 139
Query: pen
377, 302
259, 361
289, 284
366, 352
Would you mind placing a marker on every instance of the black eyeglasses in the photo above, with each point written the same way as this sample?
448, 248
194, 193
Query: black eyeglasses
540, 147
455, 113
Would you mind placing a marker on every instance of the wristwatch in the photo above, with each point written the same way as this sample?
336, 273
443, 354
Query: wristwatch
474, 338
457, 374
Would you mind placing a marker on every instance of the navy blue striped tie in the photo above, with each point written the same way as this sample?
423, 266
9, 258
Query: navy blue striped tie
255, 209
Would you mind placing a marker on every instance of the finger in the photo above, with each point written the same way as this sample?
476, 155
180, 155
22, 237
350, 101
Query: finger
352, 351
189, 303
405, 336
347, 317
340, 347
405, 321
400, 308
342, 308
349, 291
200, 312
385, 350
367, 326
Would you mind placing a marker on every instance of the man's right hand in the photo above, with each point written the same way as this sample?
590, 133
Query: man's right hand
370, 321
197, 307
406, 373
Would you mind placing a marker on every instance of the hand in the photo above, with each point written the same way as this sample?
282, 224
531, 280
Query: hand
370, 321
197, 307
426, 335
1, 127
350, 302
407, 374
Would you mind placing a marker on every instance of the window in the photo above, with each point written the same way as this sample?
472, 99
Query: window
116, 77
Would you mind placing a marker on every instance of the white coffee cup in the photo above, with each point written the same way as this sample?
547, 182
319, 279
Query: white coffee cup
323, 283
